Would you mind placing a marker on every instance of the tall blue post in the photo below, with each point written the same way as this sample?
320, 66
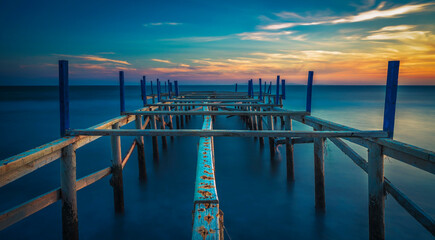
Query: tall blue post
63, 97
176, 88
121, 91
277, 90
391, 97
158, 90
169, 88
270, 88
144, 90
252, 88
236, 87
249, 88
283, 88
309, 90
260, 92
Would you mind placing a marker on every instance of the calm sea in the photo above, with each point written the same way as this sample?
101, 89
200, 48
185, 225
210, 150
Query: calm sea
254, 195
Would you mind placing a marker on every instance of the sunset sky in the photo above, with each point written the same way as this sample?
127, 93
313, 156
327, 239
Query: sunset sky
219, 42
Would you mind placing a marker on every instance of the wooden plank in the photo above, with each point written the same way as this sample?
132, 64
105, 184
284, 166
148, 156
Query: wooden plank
16, 214
211, 100
70, 222
238, 113
413, 209
129, 152
21, 164
376, 192
415, 156
92, 178
206, 222
228, 133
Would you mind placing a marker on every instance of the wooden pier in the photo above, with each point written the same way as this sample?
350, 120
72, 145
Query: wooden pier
164, 113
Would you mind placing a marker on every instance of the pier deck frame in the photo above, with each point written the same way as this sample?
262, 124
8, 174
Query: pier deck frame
258, 115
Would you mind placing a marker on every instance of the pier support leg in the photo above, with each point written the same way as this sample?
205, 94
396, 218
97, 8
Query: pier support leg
376, 192
140, 151
116, 181
260, 127
70, 222
154, 139
271, 140
163, 123
289, 148
319, 172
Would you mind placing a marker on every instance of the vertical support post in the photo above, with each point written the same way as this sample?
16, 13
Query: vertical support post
121, 91
176, 88
154, 139
260, 92
283, 88
319, 172
116, 181
144, 90
163, 123
158, 91
376, 192
289, 151
152, 92
63, 97
249, 88
70, 222
271, 139
390, 97
140, 150
270, 88
260, 127
277, 91
236, 87
166, 87
309, 90
169, 89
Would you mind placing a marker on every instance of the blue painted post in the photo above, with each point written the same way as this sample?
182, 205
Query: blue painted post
270, 88
169, 88
141, 89
176, 88
277, 90
249, 88
236, 87
121, 91
390, 97
260, 92
309, 90
144, 90
152, 92
63, 97
283, 88
158, 90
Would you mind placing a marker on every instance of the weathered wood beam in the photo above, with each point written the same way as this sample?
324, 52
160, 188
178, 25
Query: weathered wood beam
238, 113
117, 179
228, 133
70, 221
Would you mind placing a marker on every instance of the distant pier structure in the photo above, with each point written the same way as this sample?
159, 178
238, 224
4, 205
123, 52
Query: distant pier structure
164, 114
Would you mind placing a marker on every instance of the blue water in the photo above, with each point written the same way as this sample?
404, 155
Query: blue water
254, 195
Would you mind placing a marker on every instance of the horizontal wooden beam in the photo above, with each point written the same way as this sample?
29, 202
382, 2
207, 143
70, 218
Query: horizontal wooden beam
210, 100
294, 140
247, 104
16, 214
205, 113
412, 155
19, 165
413, 209
226, 133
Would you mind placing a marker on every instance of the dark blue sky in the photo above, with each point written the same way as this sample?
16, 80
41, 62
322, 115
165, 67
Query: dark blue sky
221, 42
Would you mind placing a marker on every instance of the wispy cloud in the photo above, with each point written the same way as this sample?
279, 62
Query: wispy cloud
161, 60
161, 24
197, 39
379, 12
400, 32
93, 58
263, 36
